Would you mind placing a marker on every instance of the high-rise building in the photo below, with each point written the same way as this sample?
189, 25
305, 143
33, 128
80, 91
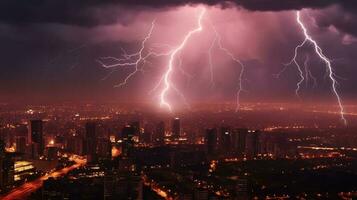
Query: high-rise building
127, 138
6, 168
104, 148
147, 135
76, 145
2, 161
51, 152
242, 189
91, 130
90, 141
159, 136
136, 127
23, 170
200, 194
128, 187
128, 132
225, 139
241, 141
252, 144
263, 143
20, 144
176, 127
35, 138
211, 140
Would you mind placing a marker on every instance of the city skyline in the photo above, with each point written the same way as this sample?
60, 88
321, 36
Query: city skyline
178, 99
202, 154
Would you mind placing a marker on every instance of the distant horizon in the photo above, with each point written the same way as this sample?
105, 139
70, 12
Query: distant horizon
192, 103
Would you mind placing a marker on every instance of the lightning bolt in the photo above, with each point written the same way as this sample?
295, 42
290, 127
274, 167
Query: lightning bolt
306, 67
308, 73
136, 60
170, 67
301, 73
140, 58
210, 59
183, 72
218, 40
321, 55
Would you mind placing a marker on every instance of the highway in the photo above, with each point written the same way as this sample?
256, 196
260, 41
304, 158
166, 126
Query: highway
26, 189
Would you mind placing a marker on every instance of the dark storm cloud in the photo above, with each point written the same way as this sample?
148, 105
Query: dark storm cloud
342, 20
84, 13
41, 32
94, 12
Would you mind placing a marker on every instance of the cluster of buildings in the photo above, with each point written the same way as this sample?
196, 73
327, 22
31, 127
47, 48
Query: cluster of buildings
14, 169
140, 151
248, 144
138, 159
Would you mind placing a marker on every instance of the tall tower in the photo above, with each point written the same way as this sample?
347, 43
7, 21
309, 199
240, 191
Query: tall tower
128, 133
6, 168
160, 133
242, 137
136, 127
176, 128
211, 140
252, 144
225, 139
91, 130
35, 138
90, 141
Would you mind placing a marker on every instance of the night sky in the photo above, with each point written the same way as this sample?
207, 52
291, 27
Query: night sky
49, 49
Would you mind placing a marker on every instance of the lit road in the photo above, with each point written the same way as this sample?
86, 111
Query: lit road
156, 188
26, 189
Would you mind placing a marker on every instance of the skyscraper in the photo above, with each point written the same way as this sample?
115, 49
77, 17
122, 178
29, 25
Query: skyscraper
176, 128
252, 144
225, 139
6, 168
104, 149
76, 145
136, 127
90, 141
211, 140
20, 144
91, 129
147, 135
35, 138
127, 138
241, 143
159, 136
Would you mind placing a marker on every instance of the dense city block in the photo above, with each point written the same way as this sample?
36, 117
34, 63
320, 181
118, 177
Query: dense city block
110, 152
